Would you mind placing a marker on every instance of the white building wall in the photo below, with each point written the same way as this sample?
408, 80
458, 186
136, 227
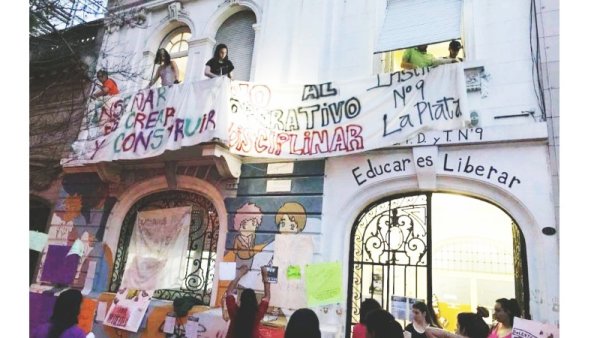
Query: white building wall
314, 41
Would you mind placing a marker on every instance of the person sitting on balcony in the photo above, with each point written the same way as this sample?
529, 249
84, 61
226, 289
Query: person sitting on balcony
108, 87
417, 57
167, 69
219, 65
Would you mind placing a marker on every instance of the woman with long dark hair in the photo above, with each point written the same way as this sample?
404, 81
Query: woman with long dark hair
469, 325
367, 305
303, 323
505, 312
63, 322
421, 319
219, 65
246, 317
167, 69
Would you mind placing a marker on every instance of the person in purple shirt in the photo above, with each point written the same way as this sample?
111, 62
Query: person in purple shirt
63, 322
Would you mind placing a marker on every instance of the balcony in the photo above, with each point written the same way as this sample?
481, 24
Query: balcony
219, 121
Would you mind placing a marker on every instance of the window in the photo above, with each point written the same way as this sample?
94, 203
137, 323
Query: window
237, 33
410, 23
390, 62
176, 44
202, 246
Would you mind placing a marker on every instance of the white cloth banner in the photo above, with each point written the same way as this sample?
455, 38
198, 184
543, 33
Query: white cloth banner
343, 117
157, 251
524, 328
274, 121
151, 121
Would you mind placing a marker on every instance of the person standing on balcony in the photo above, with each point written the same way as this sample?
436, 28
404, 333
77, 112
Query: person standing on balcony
108, 86
219, 65
167, 69
453, 48
417, 57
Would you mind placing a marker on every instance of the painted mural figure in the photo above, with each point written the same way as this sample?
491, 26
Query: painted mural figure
291, 217
246, 221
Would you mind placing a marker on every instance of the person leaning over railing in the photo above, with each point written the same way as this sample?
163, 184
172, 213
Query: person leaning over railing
107, 87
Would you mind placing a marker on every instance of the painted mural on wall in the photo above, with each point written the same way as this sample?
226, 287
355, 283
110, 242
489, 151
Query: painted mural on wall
274, 121
258, 214
78, 222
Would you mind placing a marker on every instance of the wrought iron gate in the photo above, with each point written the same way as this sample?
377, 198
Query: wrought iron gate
202, 247
390, 253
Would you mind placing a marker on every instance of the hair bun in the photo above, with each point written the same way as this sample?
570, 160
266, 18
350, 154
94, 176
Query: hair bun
482, 312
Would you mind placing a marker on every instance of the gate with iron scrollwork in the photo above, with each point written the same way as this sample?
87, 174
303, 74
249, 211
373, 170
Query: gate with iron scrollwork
202, 246
390, 253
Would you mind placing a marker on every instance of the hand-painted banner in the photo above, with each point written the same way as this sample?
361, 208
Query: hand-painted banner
343, 117
158, 249
148, 122
274, 121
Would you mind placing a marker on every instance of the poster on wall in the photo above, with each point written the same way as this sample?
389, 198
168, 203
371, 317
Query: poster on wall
290, 250
128, 309
402, 307
323, 283
158, 249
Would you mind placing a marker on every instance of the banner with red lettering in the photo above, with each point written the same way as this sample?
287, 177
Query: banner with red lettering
344, 117
274, 121
149, 122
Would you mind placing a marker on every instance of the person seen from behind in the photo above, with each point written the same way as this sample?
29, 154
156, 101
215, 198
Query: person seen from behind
469, 325
367, 305
303, 323
219, 65
167, 69
505, 312
421, 319
381, 324
63, 322
246, 317
107, 87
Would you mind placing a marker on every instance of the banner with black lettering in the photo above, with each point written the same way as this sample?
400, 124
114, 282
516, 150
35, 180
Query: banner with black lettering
149, 122
274, 121
343, 117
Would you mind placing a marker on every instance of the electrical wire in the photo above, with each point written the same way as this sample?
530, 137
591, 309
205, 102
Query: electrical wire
536, 67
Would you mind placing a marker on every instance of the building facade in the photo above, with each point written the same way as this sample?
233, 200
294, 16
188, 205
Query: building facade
457, 217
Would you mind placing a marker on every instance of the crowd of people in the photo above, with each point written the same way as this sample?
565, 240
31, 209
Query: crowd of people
245, 317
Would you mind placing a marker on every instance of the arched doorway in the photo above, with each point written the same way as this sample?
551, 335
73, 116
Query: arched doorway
452, 251
202, 246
